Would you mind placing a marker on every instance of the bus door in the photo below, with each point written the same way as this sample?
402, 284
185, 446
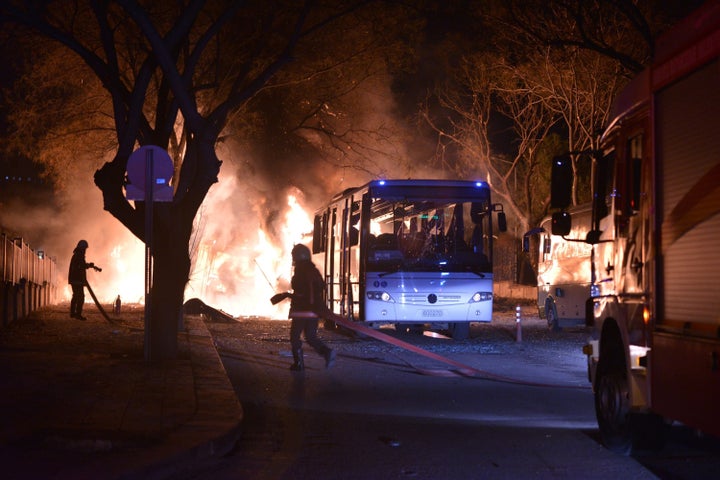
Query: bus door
350, 258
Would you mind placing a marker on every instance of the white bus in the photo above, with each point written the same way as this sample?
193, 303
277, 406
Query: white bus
563, 271
409, 253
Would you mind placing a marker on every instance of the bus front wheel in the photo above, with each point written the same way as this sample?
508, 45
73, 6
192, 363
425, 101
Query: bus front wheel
459, 330
551, 316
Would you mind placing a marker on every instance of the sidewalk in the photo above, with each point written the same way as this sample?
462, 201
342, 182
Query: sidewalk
78, 400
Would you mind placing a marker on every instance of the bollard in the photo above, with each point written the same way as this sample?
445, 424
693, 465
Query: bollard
518, 325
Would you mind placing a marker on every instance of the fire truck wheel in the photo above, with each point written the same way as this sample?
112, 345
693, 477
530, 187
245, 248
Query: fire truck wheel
612, 408
551, 316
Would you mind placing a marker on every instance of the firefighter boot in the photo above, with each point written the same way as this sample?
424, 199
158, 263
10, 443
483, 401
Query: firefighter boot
330, 358
299, 364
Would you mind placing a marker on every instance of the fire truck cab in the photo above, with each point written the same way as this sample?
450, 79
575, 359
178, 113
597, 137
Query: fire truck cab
654, 354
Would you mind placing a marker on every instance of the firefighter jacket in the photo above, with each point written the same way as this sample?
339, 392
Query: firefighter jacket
307, 299
78, 266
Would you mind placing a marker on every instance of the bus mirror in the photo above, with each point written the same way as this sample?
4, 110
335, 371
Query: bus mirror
593, 237
528, 234
561, 180
561, 223
502, 222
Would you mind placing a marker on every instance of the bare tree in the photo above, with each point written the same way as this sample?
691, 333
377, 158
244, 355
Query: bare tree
546, 66
487, 86
621, 30
176, 73
579, 86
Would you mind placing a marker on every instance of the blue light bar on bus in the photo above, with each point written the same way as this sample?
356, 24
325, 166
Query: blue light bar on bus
416, 190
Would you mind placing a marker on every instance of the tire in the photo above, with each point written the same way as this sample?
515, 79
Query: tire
459, 330
551, 316
416, 328
612, 409
622, 431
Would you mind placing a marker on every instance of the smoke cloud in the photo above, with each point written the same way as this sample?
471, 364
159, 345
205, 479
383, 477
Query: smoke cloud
262, 205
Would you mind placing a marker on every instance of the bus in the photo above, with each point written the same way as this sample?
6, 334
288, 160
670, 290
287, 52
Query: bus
563, 271
409, 253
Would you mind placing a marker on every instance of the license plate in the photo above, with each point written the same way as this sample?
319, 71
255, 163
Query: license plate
432, 313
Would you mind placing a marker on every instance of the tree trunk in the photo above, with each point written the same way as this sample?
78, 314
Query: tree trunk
171, 269
172, 226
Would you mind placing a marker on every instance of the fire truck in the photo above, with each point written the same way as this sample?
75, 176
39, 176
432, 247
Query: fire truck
654, 354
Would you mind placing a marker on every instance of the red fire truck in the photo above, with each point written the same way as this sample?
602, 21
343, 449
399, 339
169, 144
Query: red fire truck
654, 355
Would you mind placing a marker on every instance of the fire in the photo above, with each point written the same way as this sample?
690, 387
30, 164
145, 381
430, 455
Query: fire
122, 259
238, 264
240, 276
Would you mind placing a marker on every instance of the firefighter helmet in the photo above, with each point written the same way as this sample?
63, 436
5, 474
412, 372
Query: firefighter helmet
300, 253
82, 245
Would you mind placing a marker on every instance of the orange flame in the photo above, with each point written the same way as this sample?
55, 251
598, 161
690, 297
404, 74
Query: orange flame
241, 279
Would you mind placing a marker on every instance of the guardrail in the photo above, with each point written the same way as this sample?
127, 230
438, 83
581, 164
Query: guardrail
28, 278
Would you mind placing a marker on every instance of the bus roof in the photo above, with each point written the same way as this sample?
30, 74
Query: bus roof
420, 190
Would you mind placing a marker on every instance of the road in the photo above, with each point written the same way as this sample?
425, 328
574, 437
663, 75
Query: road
386, 413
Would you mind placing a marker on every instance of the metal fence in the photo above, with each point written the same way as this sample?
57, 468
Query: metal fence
28, 278
514, 276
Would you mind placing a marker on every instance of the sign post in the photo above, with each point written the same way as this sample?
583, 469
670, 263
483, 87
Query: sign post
149, 180
149, 172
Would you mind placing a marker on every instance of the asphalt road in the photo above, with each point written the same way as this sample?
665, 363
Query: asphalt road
386, 413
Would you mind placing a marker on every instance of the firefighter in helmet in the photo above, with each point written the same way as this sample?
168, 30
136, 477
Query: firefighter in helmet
77, 279
306, 307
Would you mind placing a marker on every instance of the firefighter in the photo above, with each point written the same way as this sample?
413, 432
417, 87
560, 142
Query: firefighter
306, 306
77, 279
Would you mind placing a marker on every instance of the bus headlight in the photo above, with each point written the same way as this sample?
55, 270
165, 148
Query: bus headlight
382, 296
481, 297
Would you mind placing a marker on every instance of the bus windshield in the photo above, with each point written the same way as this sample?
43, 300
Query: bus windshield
429, 235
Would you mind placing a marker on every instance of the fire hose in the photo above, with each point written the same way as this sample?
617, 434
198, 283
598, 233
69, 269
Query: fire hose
97, 303
460, 368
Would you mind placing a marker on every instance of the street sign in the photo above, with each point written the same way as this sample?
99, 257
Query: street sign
153, 162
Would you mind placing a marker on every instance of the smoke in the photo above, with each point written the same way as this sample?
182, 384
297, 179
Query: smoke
266, 197
56, 225
262, 205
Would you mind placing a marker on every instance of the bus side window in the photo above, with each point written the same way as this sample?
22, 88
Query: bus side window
319, 244
354, 232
